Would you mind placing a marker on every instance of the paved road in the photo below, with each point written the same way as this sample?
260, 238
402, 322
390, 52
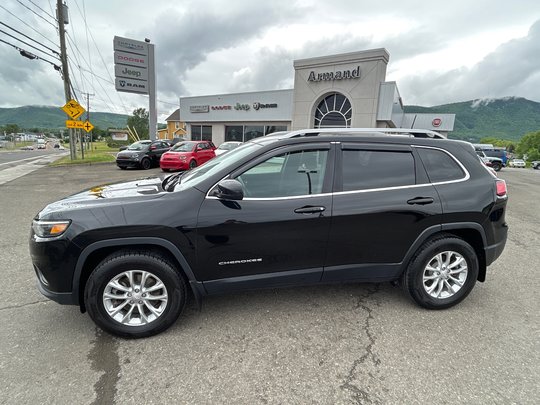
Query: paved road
17, 165
358, 343
8, 157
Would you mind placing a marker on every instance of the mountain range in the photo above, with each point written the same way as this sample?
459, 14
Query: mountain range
53, 118
507, 118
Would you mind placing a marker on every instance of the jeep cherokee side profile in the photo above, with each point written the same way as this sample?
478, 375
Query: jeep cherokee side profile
291, 208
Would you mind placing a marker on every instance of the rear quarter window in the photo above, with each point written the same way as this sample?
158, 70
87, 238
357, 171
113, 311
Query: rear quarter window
440, 166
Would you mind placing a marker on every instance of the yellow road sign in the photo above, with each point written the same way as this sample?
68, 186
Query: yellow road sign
87, 126
74, 124
73, 109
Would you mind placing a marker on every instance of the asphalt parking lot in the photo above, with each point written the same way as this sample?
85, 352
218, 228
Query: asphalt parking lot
356, 343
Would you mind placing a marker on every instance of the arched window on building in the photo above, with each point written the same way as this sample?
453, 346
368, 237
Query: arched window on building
334, 111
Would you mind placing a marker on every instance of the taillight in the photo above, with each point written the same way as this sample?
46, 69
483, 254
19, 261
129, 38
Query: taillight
501, 187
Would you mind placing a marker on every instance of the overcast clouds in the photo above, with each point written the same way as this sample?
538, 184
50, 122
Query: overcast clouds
440, 51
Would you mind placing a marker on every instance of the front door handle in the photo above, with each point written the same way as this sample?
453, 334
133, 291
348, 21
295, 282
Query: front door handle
420, 200
309, 209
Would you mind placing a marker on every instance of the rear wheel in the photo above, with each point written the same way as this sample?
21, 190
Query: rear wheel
146, 163
192, 164
442, 272
135, 294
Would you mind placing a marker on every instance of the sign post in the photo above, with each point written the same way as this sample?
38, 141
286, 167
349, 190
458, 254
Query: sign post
134, 72
74, 110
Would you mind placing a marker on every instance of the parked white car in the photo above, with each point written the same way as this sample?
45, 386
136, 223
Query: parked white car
517, 163
226, 147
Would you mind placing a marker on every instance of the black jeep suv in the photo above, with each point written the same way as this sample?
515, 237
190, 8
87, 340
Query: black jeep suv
291, 208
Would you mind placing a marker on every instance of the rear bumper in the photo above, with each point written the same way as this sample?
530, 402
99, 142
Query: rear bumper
495, 250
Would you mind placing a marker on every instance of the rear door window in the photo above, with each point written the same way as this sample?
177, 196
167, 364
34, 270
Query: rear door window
373, 169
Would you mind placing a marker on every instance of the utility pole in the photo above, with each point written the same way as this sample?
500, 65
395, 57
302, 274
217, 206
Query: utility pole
88, 95
65, 70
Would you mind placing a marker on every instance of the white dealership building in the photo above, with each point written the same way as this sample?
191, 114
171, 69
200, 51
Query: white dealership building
346, 90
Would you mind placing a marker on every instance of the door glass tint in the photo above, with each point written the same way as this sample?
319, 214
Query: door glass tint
368, 169
290, 174
440, 166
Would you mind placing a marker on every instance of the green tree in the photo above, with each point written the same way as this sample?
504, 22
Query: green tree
12, 129
139, 122
529, 145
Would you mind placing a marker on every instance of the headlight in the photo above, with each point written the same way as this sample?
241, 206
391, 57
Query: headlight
134, 155
182, 157
49, 229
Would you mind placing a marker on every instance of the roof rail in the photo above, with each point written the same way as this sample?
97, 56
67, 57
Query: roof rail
417, 133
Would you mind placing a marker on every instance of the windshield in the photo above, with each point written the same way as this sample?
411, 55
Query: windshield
184, 147
137, 146
201, 173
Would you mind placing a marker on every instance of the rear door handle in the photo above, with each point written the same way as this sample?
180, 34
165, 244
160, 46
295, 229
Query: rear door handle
420, 200
309, 210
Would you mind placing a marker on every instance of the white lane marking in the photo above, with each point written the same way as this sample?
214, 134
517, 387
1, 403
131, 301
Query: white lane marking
22, 160
12, 173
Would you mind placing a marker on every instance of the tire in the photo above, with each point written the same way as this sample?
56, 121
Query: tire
192, 164
165, 170
497, 166
451, 293
135, 319
122, 167
146, 163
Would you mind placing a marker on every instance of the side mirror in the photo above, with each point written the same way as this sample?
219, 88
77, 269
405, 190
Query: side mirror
229, 190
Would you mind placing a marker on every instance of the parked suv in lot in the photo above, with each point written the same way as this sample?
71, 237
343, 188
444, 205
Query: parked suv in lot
142, 154
291, 208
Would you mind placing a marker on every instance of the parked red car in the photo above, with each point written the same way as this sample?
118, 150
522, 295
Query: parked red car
187, 155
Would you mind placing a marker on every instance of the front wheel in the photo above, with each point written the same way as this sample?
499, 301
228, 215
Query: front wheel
497, 167
192, 164
442, 272
135, 294
146, 163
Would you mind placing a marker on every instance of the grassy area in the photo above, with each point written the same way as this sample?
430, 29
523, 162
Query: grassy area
100, 153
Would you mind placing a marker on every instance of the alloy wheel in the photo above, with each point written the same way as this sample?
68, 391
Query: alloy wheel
135, 298
445, 274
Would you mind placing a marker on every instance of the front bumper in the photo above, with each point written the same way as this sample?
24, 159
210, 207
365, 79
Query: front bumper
64, 298
127, 162
173, 165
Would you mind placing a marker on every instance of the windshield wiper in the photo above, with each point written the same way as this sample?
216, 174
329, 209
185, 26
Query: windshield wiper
170, 182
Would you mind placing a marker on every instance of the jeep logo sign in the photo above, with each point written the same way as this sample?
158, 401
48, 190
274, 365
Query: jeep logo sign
131, 72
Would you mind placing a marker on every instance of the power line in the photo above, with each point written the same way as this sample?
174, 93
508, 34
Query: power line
28, 25
81, 69
40, 16
99, 53
54, 18
29, 55
27, 44
30, 38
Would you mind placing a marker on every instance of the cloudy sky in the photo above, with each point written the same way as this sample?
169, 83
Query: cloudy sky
440, 51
